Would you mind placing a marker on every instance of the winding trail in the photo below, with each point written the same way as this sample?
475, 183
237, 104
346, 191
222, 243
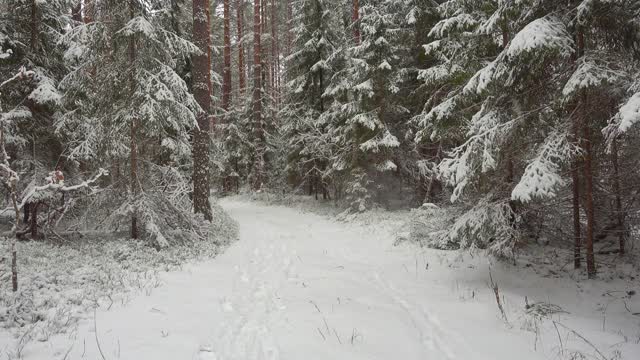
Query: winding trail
299, 286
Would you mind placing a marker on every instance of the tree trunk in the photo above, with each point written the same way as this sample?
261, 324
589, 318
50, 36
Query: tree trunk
575, 170
33, 227
274, 56
356, 17
226, 75
202, 94
257, 98
433, 178
14, 251
266, 67
289, 32
241, 71
34, 25
588, 175
134, 184
76, 12
87, 11
575, 188
616, 189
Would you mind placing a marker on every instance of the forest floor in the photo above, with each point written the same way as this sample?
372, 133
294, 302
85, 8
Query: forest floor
299, 285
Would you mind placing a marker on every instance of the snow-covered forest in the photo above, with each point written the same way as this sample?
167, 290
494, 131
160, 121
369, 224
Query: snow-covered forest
323, 179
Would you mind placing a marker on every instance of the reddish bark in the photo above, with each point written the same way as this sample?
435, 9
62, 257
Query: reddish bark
266, 67
76, 12
241, 71
257, 97
273, 46
274, 54
226, 75
202, 94
87, 11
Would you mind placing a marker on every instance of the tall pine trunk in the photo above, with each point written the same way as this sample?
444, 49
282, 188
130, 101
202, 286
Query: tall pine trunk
274, 55
575, 190
266, 67
202, 94
616, 189
355, 20
257, 98
226, 75
241, 71
289, 32
575, 171
34, 25
87, 11
12, 185
76, 12
134, 184
587, 171
588, 175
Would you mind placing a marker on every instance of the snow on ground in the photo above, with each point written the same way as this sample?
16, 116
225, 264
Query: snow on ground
303, 286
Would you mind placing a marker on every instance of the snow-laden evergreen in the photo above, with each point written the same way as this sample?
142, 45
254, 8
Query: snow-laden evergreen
122, 83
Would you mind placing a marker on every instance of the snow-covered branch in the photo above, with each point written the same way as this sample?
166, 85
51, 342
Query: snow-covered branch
62, 188
22, 74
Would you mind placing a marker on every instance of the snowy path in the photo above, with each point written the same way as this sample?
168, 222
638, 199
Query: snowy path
299, 286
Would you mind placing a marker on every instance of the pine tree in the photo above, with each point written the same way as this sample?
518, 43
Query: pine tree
226, 77
258, 136
240, 44
363, 116
202, 94
309, 69
143, 120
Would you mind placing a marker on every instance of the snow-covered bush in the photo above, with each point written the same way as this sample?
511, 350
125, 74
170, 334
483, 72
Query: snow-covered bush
357, 192
62, 278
